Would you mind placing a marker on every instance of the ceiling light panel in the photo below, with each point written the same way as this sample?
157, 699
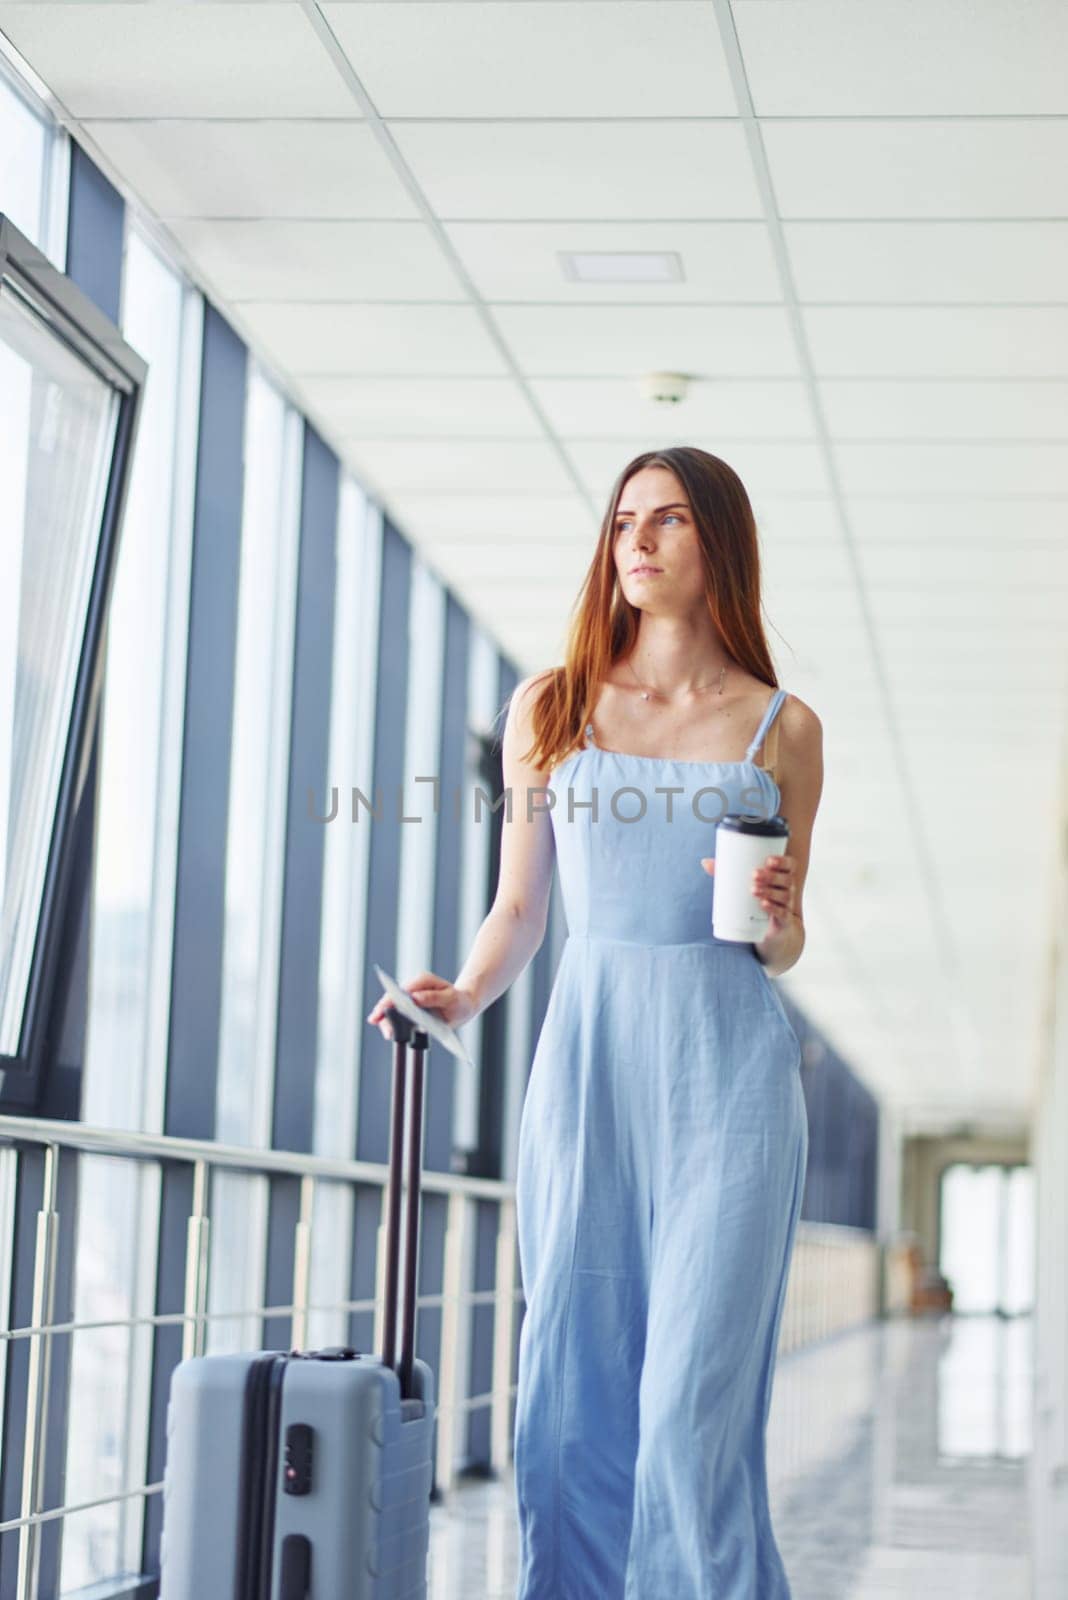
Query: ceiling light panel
521, 260
587, 58
617, 266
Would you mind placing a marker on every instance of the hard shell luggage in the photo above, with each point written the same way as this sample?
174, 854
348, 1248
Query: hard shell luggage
306, 1475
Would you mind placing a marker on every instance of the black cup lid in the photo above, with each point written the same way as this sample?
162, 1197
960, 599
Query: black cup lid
771, 827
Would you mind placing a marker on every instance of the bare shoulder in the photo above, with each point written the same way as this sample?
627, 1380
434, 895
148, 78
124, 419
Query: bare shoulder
524, 698
519, 725
800, 729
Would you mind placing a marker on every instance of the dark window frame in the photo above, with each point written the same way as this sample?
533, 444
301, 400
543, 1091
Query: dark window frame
75, 320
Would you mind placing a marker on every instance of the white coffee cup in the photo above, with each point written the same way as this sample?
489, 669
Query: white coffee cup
742, 845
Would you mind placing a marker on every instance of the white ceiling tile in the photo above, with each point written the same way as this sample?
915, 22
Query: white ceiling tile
984, 570
793, 522
703, 341
942, 341
440, 58
589, 408
318, 260
908, 261
459, 465
780, 467
916, 521
179, 60
856, 409
962, 610
967, 667
934, 169
995, 467
265, 168
548, 519
516, 561
384, 341
410, 408
520, 260
540, 600
530, 171
824, 57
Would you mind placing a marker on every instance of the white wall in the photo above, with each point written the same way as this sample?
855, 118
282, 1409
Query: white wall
1049, 1463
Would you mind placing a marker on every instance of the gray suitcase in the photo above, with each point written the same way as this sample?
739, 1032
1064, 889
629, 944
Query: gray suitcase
306, 1475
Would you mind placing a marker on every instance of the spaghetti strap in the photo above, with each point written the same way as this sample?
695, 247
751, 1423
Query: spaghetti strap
765, 722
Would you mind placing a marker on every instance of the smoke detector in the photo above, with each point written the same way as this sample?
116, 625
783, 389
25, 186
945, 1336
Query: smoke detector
665, 388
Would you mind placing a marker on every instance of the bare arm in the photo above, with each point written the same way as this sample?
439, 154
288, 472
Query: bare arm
800, 767
515, 925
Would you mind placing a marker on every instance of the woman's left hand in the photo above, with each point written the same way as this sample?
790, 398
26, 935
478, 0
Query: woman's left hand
775, 886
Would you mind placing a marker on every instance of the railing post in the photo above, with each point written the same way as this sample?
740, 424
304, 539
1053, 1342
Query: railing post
504, 1316
452, 1287
37, 1380
194, 1327
302, 1263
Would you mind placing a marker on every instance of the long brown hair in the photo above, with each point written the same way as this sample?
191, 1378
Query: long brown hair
604, 625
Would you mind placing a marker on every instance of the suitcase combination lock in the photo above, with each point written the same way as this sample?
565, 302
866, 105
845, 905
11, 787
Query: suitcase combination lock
298, 1460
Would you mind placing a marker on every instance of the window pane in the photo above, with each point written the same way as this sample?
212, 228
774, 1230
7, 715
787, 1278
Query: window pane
131, 920
1019, 1266
57, 432
971, 1199
151, 565
255, 844
22, 160
255, 855
342, 1025
109, 1369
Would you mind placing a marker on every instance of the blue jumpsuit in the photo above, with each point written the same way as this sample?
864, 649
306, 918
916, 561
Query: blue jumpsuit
661, 1163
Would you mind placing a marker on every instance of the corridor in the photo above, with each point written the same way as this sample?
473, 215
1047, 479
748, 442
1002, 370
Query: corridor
897, 1468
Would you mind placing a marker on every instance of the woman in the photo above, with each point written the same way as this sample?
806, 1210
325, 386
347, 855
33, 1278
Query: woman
663, 1139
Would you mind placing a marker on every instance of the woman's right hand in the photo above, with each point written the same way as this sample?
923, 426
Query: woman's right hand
454, 1006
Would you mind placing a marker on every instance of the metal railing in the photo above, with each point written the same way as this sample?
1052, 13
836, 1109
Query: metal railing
832, 1285
205, 1157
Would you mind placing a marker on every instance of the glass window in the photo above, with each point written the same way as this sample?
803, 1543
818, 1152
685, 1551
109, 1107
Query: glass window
415, 899
23, 139
259, 759
476, 891
255, 852
131, 922
140, 748
57, 432
342, 1027
345, 846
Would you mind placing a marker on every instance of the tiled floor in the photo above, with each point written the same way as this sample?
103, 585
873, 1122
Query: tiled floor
897, 1468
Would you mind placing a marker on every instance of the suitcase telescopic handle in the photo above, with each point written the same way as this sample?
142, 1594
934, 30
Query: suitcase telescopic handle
405, 1033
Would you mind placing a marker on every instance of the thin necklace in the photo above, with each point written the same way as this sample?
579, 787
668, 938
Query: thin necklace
646, 692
